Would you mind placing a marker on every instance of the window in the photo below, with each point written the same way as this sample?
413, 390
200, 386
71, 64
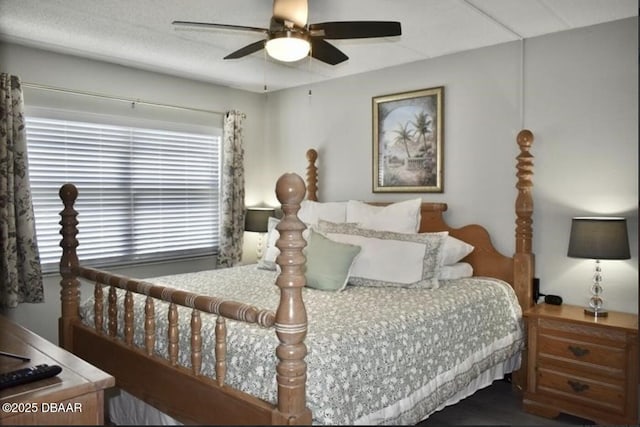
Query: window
144, 194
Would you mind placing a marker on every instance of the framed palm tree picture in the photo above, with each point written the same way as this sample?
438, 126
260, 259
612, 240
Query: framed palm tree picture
407, 142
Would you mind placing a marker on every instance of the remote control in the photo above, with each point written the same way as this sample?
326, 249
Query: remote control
27, 375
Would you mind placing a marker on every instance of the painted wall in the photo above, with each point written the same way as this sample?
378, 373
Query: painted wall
582, 102
580, 99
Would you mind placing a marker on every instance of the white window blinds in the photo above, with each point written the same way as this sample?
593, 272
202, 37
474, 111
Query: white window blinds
144, 194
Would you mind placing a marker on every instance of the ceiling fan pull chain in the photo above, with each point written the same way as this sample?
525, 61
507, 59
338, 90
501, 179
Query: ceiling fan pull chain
310, 93
264, 71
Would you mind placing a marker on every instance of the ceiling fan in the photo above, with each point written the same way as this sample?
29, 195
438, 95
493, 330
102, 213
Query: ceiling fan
289, 38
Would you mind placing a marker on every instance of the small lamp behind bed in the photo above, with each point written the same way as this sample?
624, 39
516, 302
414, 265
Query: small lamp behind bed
598, 238
257, 221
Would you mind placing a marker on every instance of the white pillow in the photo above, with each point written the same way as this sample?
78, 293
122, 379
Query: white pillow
455, 250
390, 258
456, 271
271, 251
310, 211
401, 217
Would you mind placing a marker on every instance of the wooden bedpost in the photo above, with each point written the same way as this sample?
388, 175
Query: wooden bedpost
312, 175
70, 292
291, 315
523, 259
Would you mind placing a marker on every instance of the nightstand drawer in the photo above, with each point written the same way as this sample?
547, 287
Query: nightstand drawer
578, 354
587, 333
608, 396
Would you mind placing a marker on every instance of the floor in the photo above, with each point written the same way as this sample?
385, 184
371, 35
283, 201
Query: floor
496, 405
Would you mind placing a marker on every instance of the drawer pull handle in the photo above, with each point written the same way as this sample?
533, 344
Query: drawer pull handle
577, 386
578, 351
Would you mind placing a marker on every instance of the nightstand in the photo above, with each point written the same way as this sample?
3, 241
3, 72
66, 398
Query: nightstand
581, 365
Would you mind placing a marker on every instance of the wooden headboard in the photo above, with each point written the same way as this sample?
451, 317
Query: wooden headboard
486, 260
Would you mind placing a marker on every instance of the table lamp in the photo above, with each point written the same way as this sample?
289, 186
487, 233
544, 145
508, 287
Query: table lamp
257, 221
598, 238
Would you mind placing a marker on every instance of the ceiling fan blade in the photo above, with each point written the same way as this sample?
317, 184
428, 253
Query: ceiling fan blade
247, 50
211, 25
326, 52
295, 11
355, 29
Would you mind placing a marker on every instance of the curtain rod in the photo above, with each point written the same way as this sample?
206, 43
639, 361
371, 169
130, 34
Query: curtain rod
115, 98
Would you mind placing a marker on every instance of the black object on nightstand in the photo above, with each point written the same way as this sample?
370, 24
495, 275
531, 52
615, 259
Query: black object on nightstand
553, 299
549, 299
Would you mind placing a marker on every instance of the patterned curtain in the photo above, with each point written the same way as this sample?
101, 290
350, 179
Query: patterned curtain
20, 271
232, 228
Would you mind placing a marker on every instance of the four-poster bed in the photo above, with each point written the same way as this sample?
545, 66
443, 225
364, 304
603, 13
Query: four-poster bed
194, 380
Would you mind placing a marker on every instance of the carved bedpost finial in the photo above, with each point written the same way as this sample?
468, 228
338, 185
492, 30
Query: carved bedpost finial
291, 315
290, 190
524, 201
70, 292
312, 175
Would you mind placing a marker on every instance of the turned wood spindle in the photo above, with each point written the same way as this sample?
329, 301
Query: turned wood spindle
173, 334
128, 318
524, 200
98, 307
113, 311
149, 326
221, 350
196, 342
291, 315
312, 175
69, 284
523, 259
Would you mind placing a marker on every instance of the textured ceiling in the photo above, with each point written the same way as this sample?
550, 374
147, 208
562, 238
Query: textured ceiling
139, 33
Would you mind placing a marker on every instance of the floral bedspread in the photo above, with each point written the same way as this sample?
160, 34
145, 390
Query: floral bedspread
376, 355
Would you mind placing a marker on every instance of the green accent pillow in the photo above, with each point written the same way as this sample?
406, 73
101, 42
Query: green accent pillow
328, 262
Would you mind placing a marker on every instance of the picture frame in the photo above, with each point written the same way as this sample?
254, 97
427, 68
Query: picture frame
408, 142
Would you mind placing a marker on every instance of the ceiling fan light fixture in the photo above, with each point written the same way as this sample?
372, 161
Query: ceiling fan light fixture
288, 46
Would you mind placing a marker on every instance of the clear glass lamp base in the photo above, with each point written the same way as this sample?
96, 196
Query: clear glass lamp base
596, 312
596, 302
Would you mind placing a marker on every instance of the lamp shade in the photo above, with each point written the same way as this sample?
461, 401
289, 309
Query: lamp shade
599, 238
257, 219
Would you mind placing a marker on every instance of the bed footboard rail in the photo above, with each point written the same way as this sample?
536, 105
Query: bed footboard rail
224, 309
207, 304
